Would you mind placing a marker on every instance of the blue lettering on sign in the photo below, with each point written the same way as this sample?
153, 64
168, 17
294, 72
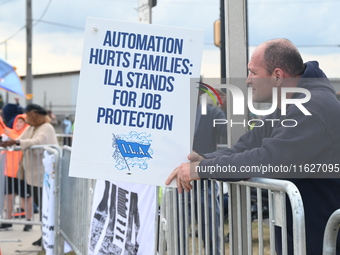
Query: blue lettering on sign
134, 118
143, 42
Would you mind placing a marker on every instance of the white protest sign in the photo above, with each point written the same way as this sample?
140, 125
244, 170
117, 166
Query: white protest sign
132, 120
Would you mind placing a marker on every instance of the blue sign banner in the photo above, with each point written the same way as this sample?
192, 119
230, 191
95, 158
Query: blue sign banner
131, 149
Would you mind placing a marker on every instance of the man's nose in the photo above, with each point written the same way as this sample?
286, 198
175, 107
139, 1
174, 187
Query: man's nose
249, 80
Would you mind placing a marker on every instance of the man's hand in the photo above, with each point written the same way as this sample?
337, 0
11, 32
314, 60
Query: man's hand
185, 173
193, 156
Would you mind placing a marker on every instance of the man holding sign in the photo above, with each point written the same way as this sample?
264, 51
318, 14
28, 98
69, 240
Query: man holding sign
314, 141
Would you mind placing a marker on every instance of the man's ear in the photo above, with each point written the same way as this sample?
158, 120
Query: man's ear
278, 76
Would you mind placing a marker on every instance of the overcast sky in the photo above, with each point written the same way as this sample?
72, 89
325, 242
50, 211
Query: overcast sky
312, 25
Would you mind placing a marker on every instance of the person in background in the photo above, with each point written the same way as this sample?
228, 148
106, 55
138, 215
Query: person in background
13, 185
67, 125
40, 132
9, 112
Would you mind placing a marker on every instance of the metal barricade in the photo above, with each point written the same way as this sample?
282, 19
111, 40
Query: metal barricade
331, 234
73, 206
21, 180
278, 190
195, 222
10, 205
2, 181
192, 223
194, 228
30, 186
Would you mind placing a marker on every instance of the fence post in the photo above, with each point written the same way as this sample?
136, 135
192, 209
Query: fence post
56, 191
331, 234
236, 67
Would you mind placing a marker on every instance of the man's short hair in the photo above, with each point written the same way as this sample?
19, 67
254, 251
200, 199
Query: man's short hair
281, 53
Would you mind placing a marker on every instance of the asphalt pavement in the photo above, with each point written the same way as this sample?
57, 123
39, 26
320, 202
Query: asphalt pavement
15, 241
